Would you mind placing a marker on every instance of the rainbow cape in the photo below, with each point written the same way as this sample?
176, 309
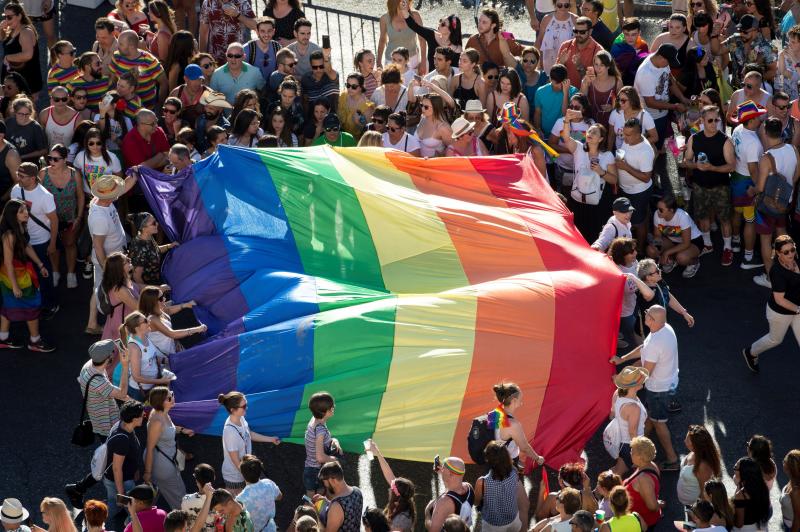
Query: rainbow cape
405, 287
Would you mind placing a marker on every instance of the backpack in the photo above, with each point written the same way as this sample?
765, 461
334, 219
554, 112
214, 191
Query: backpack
100, 457
612, 437
777, 195
104, 301
587, 187
479, 436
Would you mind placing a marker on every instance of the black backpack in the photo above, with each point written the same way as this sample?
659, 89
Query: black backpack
480, 434
104, 302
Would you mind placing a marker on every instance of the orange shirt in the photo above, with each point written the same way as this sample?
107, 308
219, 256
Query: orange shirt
577, 60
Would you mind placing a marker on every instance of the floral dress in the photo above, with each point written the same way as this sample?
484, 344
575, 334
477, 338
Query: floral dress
144, 253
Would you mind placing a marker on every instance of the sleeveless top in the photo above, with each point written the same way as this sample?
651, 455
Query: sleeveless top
601, 104
626, 523
460, 500
786, 506
59, 133
788, 132
31, 70
477, 151
493, 119
484, 136
785, 161
714, 148
352, 506
66, 198
154, 43
650, 517
149, 364
688, 487
429, 147
500, 499
405, 37
5, 176
163, 343
623, 425
166, 447
557, 32
462, 94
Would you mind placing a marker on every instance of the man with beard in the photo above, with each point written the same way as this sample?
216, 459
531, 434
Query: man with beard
344, 502
91, 78
749, 46
577, 54
190, 93
213, 103
262, 52
486, 41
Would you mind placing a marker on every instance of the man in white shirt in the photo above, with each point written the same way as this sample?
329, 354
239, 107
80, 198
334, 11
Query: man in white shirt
635, 174
42, 228
659, 355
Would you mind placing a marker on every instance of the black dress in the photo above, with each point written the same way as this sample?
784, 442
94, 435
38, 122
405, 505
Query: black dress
284, 27
31, 70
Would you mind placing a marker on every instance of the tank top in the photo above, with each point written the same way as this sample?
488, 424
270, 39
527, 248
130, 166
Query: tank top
30, 70
786, 506
405, 37
499, 499
163, 344
688, 487
65, 198
713, 147
154, 42
557, 32
463, 503
623, 425
785, 161
59, 133
601, 104
5, 175
352, 505
166, 446
788, 131
650, 517
148, 366
462, 94
626, 523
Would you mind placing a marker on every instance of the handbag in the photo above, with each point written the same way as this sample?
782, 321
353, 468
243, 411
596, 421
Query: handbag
179, 460
83, 435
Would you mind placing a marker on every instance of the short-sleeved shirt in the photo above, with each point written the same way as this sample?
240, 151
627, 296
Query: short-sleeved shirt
60, 76
784, 281
136, 150
345, 140
104, 221
578, 60
616, 122
548, 102
192, 504
100, 405
147, 69
325, 88
674, 229
303, 65
144, 254
93, 167
640, 156
243, 523
249, 78
40, 203
124, 444
761, 53
235, 438
95, 90
259, 501
661, 347
653, 81
27, 138
222, 29
747, 147
152, 520
313, 430
577, 132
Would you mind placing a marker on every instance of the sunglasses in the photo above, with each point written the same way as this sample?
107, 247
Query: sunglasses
789, 251
394, 129
331, 129
290, 65
81, 97
51, 159
782, 107
317, 67
60, 100
562, 6
207, 66
749, 86
354, 86
698, 4
493, 77
580, 32
170, 111
243, 405
94, 143
234, 56
711, 120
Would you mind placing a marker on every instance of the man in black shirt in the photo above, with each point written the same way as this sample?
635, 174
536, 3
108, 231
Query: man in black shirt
124, 455
593, 9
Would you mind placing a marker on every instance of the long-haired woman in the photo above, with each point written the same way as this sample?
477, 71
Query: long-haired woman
143, 357
160, 459
433, 132
762, 10
122, 293
131, 12
246, 129
285, 13
499, 491
751, 500
468, 85
182, 47
112, 122
601, 85
278, 124
759, 448
699, 466
163, 17
144, 251
94, 159
152, 303
447, 35
19, 278
790, 494
394, 32
509, 89
714, 492
400, 508
56, 516
20, 46
364, 64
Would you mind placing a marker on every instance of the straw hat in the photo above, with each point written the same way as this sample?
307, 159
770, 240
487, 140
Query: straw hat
631, 376
474, 106
13, 512
462, 126
108, 187
215, 99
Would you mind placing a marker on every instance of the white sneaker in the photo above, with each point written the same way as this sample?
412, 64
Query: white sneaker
762, 280
691, 270
56, 278
72, 280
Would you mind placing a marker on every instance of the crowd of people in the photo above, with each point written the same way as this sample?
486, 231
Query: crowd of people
598, 109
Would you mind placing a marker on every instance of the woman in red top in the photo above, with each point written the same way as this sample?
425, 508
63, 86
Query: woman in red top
645, 482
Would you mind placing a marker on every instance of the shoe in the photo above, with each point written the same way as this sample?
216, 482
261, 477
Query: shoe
88, 270
668, 267
674, 406
691, 270
56, 278
750, 360
737, 244
762, 280
93, 331
670, 466
40, 347
706, 250
750, 264
727, 257
8, 343
49, 313
74, 495
72, 280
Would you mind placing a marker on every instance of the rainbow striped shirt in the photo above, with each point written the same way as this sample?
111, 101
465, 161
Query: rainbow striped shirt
148, 69
132, 107
60, 76
96, 89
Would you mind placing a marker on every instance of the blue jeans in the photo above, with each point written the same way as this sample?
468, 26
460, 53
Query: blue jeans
627, 326
45, 285
111, 500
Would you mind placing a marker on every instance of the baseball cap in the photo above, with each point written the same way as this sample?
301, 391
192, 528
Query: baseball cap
331, 121
747, 22
142, 492
622, 205
100, 351
193, 72
670, 53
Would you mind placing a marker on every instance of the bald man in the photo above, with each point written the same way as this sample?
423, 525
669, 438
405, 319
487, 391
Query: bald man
458, 499
153, 86
659, 355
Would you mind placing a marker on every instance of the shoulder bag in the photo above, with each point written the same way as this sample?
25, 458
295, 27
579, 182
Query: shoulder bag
83, 434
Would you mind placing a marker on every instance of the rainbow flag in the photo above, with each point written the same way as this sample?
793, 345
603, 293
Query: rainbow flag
405, 287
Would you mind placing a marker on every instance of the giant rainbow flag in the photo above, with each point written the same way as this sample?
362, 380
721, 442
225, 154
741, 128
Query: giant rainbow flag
405, 287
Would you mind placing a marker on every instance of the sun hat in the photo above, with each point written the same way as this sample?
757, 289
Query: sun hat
474, 106
108, 187
100, 351
747, 110
462, 126
215, 99
631, 376
13, 512
193, 72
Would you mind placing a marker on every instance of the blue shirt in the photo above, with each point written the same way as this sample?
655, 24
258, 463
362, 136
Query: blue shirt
259, 500
530, 90
249, 78
549, 101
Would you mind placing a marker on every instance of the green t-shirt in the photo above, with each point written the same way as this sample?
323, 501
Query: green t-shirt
345, 140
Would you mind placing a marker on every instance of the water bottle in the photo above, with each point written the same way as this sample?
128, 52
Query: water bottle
702, 158
368, 449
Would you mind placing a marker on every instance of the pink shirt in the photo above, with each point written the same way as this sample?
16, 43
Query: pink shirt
152, 520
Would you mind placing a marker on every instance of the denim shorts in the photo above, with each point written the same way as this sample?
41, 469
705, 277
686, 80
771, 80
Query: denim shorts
657, 403
311, 479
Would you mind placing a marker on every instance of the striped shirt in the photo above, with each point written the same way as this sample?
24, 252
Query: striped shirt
95, 89
60, 76
314, 428
148, 70
132, 107
100, 405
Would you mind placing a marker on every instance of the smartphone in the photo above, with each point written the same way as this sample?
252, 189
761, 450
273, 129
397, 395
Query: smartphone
437, 464
306, 499
107, 99
507, 35
123, 500
119, 345
326, 42
417, 77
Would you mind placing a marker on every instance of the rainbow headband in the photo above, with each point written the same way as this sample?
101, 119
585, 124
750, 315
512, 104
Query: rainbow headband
453, 468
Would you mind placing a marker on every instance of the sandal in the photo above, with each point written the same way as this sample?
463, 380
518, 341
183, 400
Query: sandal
93, 331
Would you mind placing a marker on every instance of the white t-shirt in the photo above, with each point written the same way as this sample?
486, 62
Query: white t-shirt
653, 81
715, 528
616, 121
785, 162
747, 147
582, 160
407, 143
93, 167
661, 347
674, 229
234, 438
40, 203
105, 221
577, 132
379, 98
640, 157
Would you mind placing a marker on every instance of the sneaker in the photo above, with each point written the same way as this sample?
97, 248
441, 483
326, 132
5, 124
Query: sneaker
88, 270
49, 313
72, 280
56, 278
74, 495
691, 270
674, 406
8, 343
668, 267
737, 244
40, 347
706, 250
750, 264
750, 359
762, 280
727, 257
